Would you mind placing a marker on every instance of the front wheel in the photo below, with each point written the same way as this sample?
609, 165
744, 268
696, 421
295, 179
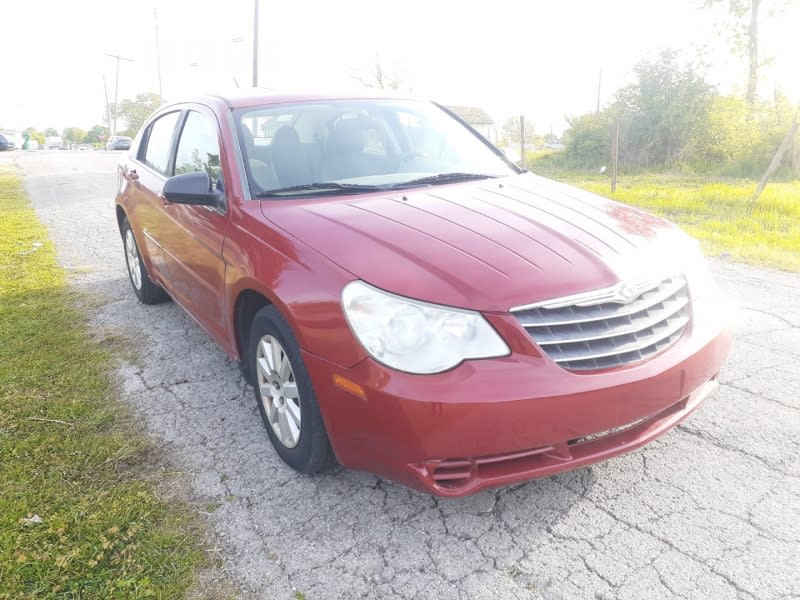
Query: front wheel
147, 291
285, 395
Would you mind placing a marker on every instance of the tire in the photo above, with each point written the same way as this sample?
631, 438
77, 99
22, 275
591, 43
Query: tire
147, 291
285, 395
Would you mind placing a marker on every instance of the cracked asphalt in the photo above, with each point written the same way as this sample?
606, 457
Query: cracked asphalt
710, 510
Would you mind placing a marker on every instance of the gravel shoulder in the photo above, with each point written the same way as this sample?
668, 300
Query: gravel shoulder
711, 510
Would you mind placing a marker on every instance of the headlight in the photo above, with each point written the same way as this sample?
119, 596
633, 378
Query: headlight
415, 336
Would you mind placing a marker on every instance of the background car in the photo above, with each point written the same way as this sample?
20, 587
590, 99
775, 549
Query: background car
7, 143
119, 142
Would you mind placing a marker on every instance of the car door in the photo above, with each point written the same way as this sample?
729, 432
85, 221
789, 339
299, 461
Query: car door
193, 236
145, 176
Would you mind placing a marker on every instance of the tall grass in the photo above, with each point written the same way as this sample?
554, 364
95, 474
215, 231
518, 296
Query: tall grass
718, 212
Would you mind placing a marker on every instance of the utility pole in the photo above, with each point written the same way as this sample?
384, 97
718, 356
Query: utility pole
522, 141
599, 82
614, 153
255, 43
116, 89
158, 57
108, 108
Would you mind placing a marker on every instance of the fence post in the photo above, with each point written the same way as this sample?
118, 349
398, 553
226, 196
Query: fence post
614, 153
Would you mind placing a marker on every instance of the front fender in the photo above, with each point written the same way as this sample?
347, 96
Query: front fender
304, 286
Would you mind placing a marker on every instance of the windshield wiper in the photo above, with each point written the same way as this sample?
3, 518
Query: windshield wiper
326, 188
442, 178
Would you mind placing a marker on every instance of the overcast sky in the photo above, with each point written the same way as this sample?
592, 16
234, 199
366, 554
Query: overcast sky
510, 57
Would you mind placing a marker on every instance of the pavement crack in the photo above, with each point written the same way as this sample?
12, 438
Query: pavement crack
761, 397
774, 315
714, 441
670, 544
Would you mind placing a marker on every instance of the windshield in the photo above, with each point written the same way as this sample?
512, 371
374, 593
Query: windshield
361, 145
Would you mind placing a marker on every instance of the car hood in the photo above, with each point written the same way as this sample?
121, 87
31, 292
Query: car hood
488, 245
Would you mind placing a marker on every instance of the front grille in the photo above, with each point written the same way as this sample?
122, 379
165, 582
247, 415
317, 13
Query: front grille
592, 334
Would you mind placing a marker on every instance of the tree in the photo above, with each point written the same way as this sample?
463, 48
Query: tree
135, 112
659, 111
74, 135
588, 140
96, 135
50, 131
31, 134
510, 133
378, 77
744, 36
725, 133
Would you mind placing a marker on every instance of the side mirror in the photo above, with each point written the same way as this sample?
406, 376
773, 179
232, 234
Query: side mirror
192, 188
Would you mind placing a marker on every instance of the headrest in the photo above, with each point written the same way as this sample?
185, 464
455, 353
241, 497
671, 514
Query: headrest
285, 136
247, 137
347, 137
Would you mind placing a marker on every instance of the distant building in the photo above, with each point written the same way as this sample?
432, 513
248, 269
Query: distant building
478, 119
52, 142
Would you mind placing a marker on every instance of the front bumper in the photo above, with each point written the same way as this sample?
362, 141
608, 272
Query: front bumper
499, 421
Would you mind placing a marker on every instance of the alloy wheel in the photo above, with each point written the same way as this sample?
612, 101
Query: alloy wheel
278, 390
132, 256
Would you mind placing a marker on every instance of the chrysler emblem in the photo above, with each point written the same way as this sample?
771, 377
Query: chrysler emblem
622, 292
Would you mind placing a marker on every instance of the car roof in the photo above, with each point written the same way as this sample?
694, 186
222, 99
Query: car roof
247, 97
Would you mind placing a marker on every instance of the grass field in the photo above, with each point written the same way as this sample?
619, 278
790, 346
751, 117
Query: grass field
717, 212
77, 518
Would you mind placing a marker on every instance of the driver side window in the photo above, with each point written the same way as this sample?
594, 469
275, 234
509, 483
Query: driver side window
159, 143
198, 147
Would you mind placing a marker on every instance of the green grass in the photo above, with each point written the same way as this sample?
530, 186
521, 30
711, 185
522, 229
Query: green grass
69, 452
717, 211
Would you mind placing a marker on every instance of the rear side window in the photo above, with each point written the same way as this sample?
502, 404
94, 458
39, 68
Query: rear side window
198, 148
159, 143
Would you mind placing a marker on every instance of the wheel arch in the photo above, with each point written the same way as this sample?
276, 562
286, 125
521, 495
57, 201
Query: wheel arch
121, 216
247, 305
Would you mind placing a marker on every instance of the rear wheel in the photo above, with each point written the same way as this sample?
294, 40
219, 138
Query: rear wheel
147, 291
285, 395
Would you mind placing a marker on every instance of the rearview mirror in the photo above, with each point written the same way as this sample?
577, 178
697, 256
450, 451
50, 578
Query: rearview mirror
192, 188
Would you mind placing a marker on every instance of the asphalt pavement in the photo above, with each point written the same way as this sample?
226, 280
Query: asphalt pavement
709, 511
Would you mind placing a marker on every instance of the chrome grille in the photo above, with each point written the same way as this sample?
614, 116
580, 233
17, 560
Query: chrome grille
598, 330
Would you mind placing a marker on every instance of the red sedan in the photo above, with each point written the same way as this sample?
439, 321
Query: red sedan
407, 301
